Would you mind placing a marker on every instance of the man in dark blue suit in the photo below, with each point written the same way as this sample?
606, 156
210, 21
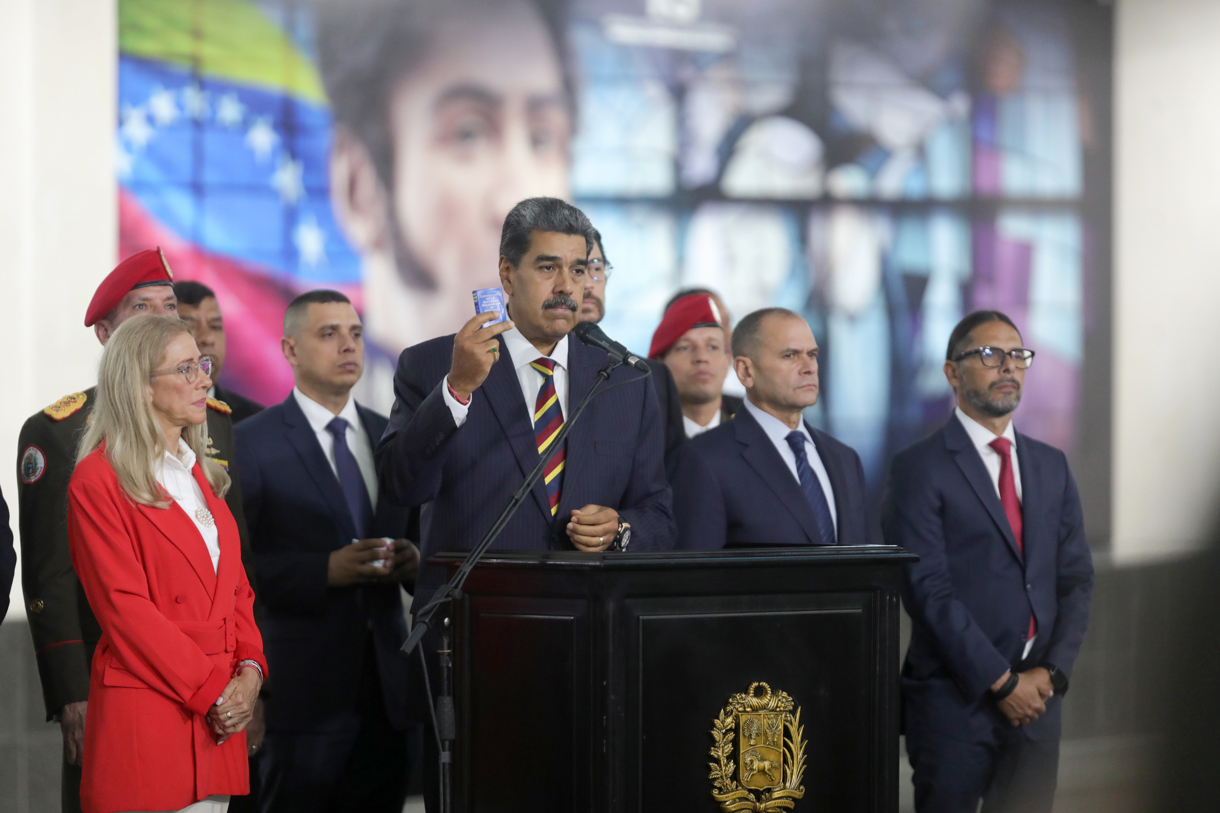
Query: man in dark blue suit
999, 600
473, 410
767, 477
332, 548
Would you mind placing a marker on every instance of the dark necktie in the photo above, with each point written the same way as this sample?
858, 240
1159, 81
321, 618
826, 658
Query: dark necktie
350, 478
548, 420
1012, 505
812, 488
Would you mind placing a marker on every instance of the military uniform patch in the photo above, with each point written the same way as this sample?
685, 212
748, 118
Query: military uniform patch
220, 406
68, 405
33, 465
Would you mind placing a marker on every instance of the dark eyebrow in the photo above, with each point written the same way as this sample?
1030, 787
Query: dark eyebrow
546, 258
468, 93
331, 326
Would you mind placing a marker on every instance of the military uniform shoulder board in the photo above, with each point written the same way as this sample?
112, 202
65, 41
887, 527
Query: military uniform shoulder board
220, 406
66, 406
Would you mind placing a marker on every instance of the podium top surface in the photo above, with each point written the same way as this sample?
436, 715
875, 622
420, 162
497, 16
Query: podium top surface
885, 555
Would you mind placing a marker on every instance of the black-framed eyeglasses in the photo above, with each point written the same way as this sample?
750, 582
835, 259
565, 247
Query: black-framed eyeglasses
189, 370
994, 356
599, 270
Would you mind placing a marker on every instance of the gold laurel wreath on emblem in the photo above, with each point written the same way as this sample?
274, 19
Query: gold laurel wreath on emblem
771, 741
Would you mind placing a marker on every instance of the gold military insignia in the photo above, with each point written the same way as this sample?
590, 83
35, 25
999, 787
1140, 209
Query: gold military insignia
212, 451
66, 406
165, 263
220, 406
770, 745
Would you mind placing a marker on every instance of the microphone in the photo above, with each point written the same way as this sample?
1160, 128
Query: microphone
594, 336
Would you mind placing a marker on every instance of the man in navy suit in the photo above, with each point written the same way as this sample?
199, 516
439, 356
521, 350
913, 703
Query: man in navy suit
999, 600
767, 477
332, 548
473, 410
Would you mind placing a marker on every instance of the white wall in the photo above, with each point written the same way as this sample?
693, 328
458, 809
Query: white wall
1167, 276
58, 204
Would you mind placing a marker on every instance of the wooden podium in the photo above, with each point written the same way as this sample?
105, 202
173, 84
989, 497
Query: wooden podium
619, 681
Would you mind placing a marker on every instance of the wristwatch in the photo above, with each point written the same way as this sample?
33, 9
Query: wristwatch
623, 538
1059, 681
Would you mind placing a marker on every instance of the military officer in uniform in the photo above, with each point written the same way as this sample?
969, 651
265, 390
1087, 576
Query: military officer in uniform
61, 623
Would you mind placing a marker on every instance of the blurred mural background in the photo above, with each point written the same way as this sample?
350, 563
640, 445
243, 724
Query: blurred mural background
882, 167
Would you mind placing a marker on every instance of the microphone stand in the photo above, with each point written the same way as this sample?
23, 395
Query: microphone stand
444, 718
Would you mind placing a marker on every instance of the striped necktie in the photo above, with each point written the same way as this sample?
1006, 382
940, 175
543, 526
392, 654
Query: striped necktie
548, 420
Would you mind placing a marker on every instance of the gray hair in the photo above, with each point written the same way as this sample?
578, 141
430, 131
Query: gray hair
541, 214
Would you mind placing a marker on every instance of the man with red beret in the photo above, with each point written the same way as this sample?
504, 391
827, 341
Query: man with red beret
63, 627
692, 342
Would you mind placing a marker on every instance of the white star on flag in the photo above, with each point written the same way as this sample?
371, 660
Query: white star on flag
122, 160
163, 107
229, 110
195, 101
287, 180
310, 241
136, 128
262, 138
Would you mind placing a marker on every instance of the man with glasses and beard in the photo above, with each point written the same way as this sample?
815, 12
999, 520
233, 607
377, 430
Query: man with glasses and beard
999, 599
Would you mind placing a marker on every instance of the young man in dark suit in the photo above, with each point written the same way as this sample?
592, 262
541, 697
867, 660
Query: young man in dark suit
999, 600
331, 548
767, 478
197, 306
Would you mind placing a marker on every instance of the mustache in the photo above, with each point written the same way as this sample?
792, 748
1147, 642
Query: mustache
562, 301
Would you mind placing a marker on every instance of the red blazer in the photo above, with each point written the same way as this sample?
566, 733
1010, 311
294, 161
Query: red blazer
172, 633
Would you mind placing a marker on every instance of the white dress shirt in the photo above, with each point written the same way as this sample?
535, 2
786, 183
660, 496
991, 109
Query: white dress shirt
174, 474
693, 429
778, 432
520, 354
982, 437
358, 440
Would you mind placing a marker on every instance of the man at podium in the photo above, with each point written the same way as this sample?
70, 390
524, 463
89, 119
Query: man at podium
766, 477
473, 412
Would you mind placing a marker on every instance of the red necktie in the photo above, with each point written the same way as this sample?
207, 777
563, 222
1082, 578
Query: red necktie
1008, 498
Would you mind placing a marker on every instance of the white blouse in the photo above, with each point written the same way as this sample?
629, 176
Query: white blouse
174, 475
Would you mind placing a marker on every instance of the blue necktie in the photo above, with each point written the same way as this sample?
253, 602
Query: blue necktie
350, 479
812, 488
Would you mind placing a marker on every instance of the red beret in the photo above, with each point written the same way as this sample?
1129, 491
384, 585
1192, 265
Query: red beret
696, 310
137, 271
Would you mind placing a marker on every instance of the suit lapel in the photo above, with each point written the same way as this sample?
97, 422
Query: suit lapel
303, 440
1031, 502
837, 484
183, 535
503, 393
582, 372
968, 460
230, 543
763, 457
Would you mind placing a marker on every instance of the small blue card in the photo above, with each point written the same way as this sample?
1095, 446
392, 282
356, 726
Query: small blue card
490, 299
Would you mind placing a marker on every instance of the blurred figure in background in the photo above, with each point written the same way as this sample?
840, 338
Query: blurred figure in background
999, 599
197, 306
692, 341
8, 558
447, 112
593, 309
179, 665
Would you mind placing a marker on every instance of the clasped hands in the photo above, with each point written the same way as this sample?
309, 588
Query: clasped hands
1028, 701
235, 709
355, 563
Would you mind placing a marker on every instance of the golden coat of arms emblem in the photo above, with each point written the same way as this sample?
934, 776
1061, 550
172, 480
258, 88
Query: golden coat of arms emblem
769, 743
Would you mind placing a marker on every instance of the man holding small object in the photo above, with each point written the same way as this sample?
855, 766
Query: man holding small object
999, 599
337, 730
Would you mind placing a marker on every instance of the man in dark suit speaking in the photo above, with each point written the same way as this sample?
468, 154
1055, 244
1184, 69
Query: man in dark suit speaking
767, 477
999, 599
472, 412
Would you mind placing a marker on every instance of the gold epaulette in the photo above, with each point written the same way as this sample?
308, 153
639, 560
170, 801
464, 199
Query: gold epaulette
66, 406
220, 406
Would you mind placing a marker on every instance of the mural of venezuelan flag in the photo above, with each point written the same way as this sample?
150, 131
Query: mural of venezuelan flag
221, 154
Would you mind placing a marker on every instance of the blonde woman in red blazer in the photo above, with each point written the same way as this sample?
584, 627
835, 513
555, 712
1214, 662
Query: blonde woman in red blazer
180, 661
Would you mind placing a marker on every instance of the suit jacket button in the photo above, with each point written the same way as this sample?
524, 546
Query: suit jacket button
37, 605
1029, 587
179, 599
